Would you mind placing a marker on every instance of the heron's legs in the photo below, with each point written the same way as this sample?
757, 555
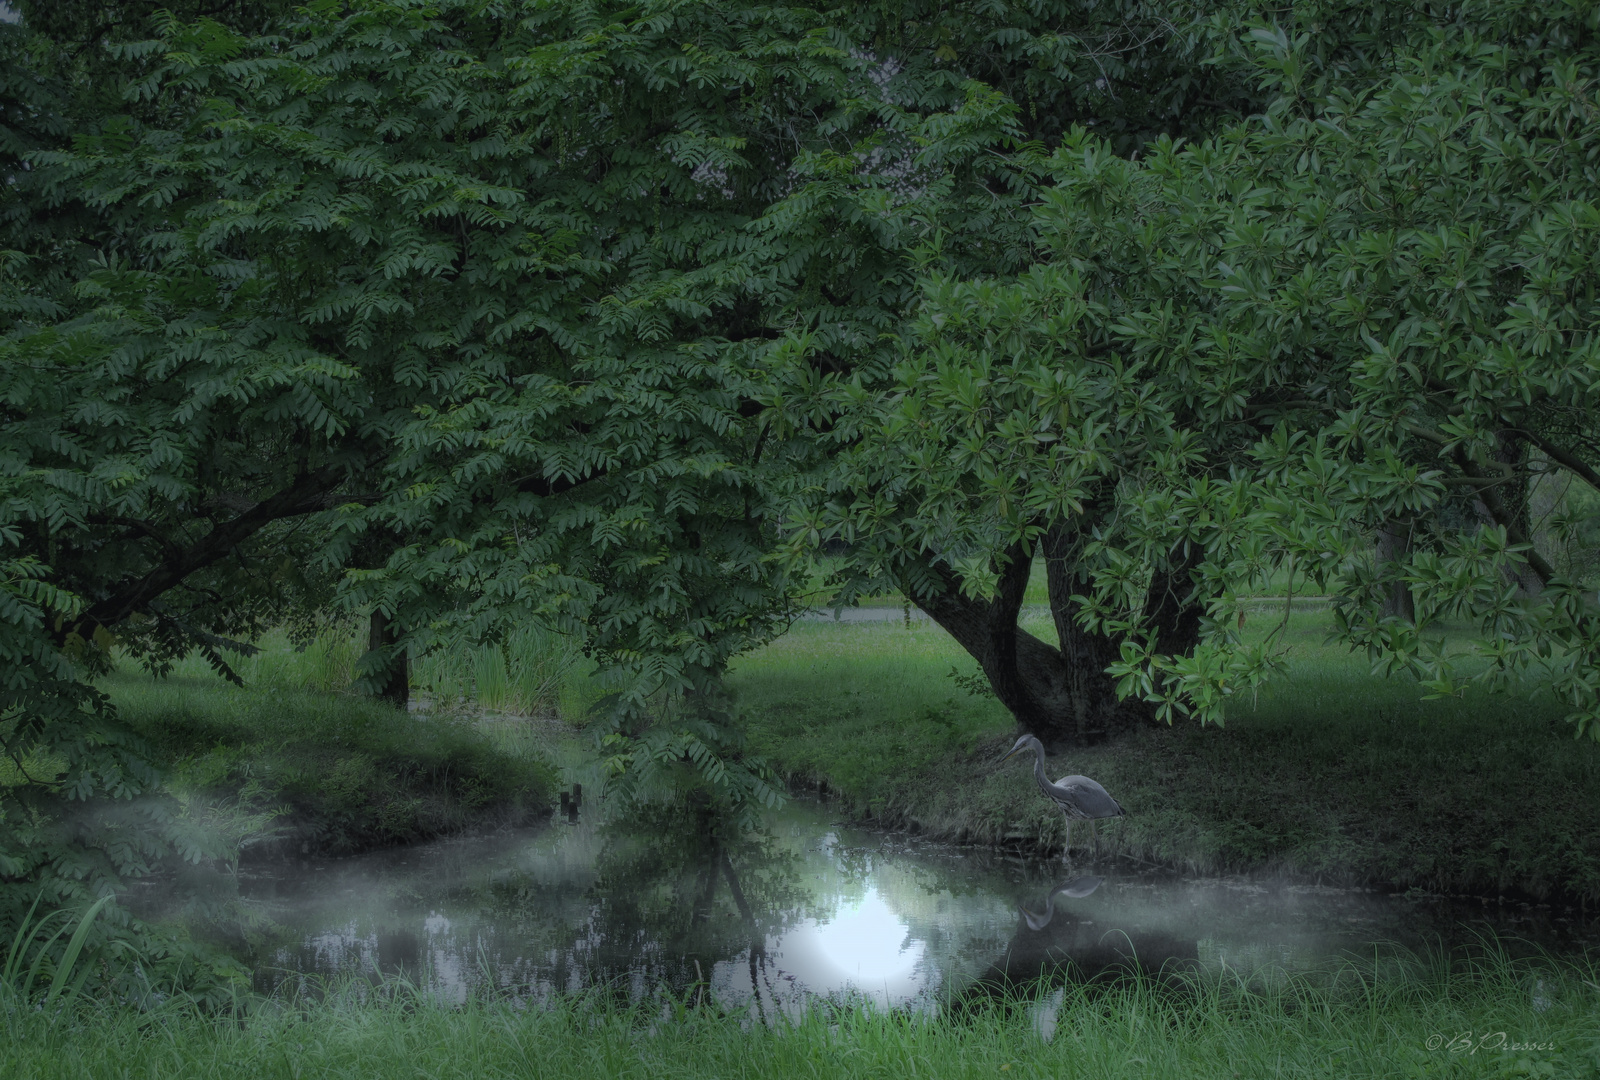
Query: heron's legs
1094, 834
1066, 850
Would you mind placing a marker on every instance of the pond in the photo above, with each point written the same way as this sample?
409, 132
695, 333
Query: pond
809, 906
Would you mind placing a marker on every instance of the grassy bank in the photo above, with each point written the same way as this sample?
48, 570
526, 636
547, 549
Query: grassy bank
1493, 1018
301, 771
1332, 773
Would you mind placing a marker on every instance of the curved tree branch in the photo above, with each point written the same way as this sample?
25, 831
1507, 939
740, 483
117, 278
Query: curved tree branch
307, 494
1561, 456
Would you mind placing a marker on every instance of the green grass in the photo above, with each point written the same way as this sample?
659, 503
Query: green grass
1344, 1024
533, 672
305, 770
1332, 773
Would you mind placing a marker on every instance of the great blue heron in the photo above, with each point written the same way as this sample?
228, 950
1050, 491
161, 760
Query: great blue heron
1076, 888
1080, 798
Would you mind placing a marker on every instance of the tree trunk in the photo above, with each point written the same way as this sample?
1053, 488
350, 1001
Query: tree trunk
1062, 695
1393, 545
1506, 504
394, 686
1027, 675
1094, 711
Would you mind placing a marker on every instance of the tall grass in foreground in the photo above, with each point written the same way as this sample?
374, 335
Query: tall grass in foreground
34, 954
1493, 1017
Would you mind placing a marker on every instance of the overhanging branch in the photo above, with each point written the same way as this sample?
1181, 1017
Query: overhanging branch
307, 494
1439, 439
1561, 456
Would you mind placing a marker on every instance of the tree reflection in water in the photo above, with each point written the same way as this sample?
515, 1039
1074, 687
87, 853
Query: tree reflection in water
675, 891
1055, 944
667, 898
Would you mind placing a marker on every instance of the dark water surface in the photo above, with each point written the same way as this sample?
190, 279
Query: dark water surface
810, 907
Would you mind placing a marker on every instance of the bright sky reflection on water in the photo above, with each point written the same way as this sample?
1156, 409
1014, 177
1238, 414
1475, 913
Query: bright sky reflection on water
865, 948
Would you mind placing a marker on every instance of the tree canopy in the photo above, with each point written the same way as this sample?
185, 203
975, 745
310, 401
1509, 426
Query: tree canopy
1362, 311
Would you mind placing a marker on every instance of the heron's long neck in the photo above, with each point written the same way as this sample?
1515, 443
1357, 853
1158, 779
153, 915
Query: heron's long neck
1038, 769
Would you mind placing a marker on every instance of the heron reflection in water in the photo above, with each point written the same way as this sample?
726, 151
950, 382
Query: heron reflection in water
1079, 798
1076, 889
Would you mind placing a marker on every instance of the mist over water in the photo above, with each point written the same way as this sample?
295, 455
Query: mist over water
809, 907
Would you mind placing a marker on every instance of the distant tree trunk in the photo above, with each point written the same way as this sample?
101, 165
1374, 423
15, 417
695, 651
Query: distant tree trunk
1394, 544
395, 687
1063, 695
1546, 494
1506, 504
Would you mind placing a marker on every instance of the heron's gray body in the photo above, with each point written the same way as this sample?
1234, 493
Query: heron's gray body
1078, 797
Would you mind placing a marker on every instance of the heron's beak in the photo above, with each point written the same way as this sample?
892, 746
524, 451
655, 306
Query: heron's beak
1009, 755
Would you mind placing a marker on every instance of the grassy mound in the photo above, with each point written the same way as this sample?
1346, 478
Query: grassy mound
1333, 773
328, 773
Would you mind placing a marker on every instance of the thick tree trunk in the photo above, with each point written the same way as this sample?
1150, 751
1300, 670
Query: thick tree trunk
395, 688
1027, 675
1393, 545
1062, 695
1093, 709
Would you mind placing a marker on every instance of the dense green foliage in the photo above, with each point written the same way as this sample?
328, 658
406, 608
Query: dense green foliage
1395, 271
469, 310
1366, 310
